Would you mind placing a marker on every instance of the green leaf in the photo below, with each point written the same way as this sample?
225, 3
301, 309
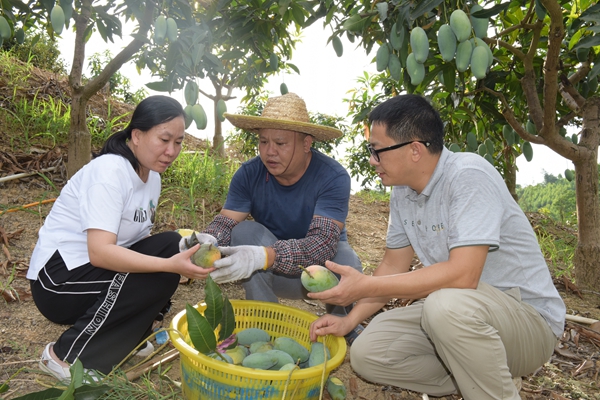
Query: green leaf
201, 333
587, 42
382, 8
227, 320
423, 7
214, 303
162, 86
490, 12
91, 392
76, 370
52, 393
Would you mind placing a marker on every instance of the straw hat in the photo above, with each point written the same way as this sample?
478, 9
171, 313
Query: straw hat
284, 112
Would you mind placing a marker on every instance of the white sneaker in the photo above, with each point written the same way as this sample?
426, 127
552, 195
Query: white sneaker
145, 351
48, 364
63, 374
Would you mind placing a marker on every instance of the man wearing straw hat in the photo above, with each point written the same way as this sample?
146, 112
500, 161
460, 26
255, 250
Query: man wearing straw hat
298, 199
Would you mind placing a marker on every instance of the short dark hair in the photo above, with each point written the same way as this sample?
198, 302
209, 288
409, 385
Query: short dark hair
409, 117
150, 112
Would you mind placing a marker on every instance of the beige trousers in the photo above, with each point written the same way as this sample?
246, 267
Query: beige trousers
465, 340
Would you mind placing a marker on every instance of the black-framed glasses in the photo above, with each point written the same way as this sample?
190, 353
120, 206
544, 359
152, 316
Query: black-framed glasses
375, 152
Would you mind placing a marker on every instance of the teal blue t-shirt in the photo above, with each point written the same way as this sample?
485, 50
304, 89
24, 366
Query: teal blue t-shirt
287, 211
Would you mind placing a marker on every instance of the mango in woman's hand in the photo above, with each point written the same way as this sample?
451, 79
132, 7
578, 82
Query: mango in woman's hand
206, 255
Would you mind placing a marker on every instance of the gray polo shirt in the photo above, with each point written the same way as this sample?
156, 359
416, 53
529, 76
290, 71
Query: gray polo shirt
467, 203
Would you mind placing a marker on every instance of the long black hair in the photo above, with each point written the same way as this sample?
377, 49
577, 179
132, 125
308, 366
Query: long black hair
151, 111
410, 117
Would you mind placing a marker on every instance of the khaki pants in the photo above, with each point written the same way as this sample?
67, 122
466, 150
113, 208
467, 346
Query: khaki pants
471, 341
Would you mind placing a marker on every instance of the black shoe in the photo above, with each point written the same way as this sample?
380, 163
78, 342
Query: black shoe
353, 334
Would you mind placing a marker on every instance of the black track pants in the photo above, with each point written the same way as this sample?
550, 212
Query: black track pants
110, 312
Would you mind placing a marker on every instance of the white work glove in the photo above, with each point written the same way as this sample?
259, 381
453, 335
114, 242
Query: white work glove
187, 242
240, 263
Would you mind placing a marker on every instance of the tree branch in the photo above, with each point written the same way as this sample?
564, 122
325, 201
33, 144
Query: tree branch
556, 34
124, 55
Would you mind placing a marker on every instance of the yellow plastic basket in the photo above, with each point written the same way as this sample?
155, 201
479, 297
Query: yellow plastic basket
203, 377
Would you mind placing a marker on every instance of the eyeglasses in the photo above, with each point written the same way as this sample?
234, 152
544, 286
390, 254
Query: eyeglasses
375, 153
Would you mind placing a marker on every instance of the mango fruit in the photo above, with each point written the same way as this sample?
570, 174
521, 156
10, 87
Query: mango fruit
250, 335
283, 89
188, 117
479, 62
336, 388
480, 25
382, 57
237, 354
172, 29
317, 354
419, 44
57, 18
283, 358
463, 55
454, 148
260, 360
261, 346
160, 29
415, 70
509, 134
292, 347
221, 109
395, 67
316, 278
199, 116
527, 151
460, 24
569, 175
5, 32
218, 357
288, 367
446, 42
190, 93
395, 39
206, 255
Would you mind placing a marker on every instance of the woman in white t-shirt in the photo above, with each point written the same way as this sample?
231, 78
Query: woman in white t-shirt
95, 265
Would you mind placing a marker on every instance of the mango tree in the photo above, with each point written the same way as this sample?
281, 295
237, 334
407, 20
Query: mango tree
234, 45
504, 75
183, 38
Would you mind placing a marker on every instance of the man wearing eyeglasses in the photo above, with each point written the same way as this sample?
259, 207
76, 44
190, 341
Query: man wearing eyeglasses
486, 309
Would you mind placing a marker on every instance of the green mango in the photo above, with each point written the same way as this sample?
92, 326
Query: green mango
316, 278
292, 347
446, 42
419, 44
248, 336
336, 388
527, 151
260, 360
461, 25
463, 55
415, 70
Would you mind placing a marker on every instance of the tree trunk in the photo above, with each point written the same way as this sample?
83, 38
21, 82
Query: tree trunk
587, 253
510, 175
80, 140
218, 140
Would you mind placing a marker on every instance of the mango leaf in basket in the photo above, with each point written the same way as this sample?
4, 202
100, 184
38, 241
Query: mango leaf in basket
201, 332
214, 303
227, 319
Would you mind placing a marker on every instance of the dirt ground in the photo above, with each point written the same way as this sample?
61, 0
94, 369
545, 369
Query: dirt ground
571, 373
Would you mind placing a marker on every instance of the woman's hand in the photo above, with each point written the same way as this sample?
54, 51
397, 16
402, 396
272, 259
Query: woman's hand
184, 266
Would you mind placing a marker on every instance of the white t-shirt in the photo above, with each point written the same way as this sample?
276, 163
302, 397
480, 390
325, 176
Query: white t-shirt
466, 203
106, 194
